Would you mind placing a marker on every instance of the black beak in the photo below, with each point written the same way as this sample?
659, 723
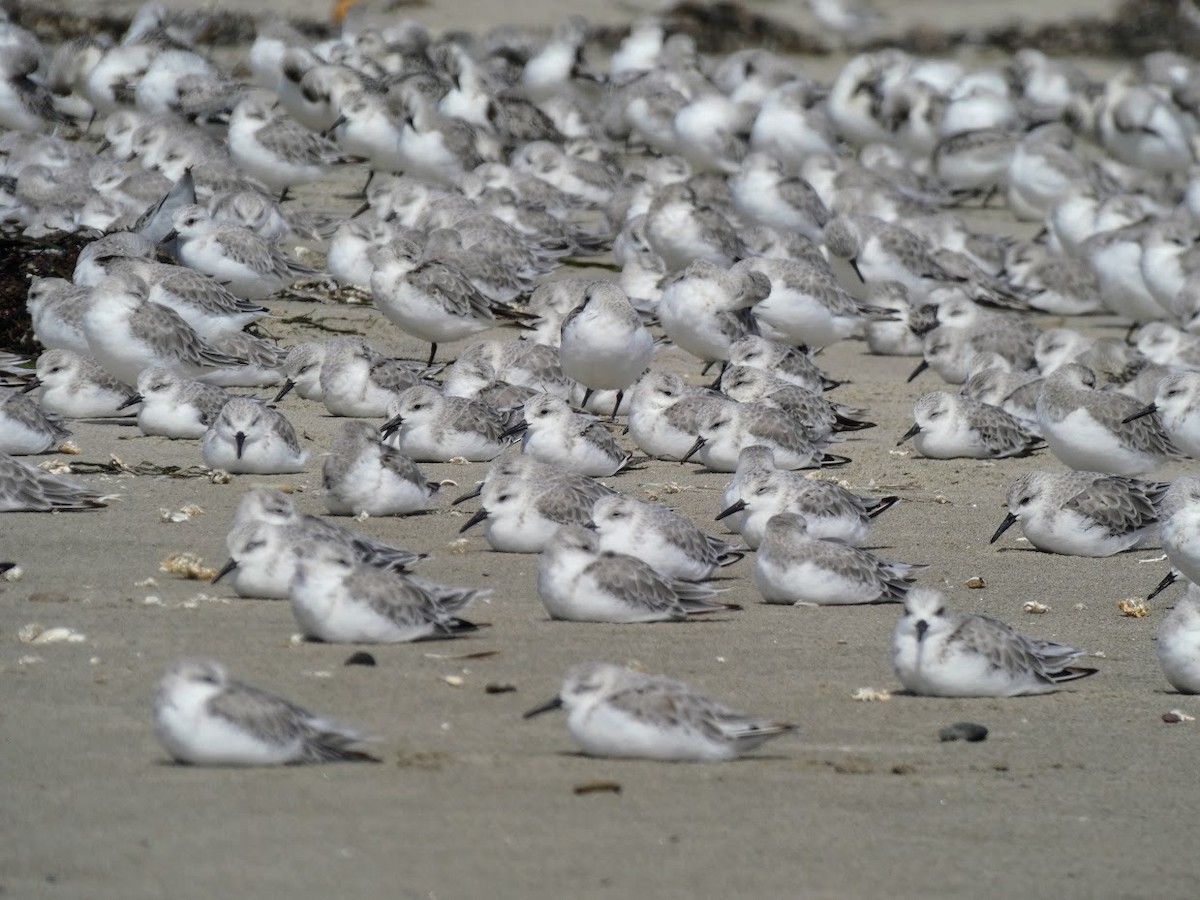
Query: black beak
168, 237
32, 385
921, 367
283, 391
225, 570
239, 439
730, 510
337, 123
1008, 523
922, 627
469, 495
1144, 411
857, 271
136, 398
362, 209
915, 430
390, 426
474, 520
700, 442
1169, 579
516, 429
552, 703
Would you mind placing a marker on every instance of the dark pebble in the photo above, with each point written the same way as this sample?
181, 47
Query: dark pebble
963, 731
361, 659
494, 688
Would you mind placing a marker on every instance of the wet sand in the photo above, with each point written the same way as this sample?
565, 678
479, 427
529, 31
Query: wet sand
1083, 793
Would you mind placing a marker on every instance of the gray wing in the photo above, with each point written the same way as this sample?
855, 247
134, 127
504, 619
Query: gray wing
635, 584
165, 329
1005, 650
29, 414
1000, 432
1118, 504
279, 721
287, 138
248, 249
200, 290
453, 289
24, 488
396, 462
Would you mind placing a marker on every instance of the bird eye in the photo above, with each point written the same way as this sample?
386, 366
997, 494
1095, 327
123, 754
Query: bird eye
503, 497
417, 406
941, 611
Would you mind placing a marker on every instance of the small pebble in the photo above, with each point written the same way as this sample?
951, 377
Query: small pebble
963, 731
360, 659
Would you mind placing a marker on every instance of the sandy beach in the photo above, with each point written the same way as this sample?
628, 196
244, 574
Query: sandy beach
1083, 793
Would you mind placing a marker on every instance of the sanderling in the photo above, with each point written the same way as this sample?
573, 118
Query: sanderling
765, 193
681, 230
819, 416
725, 430
665, 413
830, 510
604, 345
1179, 514
704, 308
76, 387
356, 380
438, 148
429, 300
1176, 401
265, 533
665, 540
526, 364
276, 149
25, 429
1083, 513
492, 274
366, 127
937, 653
250, 437
521, 513
203, 716
127, 333
212, 311
1167, 345
428, 426
1092, 430
578, 581
952, 426
246, 264
176, 407
614, 711
362, 474
780, 360
56, 308
556, 434
955, 353
793, 567
338, 599
1179, 643
26, 488
90, 266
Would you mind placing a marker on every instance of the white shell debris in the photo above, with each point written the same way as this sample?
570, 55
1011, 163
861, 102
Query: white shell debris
36, 633
870, 695
1034, 608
